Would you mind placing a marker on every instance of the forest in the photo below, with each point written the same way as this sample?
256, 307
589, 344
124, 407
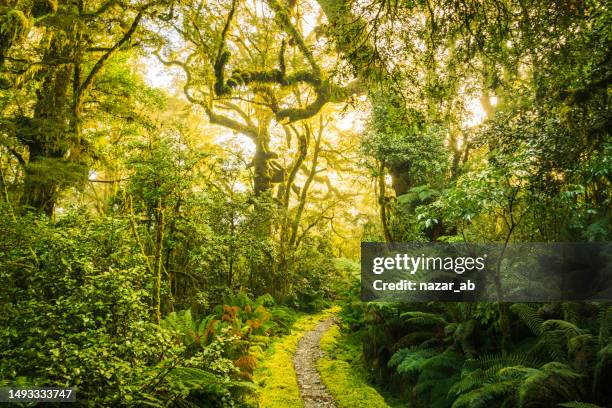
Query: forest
185, 186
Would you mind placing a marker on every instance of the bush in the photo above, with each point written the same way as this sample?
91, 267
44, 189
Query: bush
74, 312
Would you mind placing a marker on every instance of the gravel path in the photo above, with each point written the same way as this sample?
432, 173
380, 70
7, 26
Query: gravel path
313, 391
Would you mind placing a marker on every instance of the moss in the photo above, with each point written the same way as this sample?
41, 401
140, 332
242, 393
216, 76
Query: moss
347, 383
275, 374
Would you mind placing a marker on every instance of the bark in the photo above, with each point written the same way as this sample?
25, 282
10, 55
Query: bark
158, 263
304, 193
262, 179
400, 178
382, 203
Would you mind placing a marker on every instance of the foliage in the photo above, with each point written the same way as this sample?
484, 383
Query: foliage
440, 355
177, 179
73, 292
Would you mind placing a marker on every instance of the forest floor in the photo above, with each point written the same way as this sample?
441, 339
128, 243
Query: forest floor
316, 365
314, 393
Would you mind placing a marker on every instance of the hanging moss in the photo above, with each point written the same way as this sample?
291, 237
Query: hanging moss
44, 7
14, 25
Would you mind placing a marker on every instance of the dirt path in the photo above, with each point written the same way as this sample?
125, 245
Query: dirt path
313, 391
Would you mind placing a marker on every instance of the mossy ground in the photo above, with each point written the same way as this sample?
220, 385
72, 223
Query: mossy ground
275, 374
346, 380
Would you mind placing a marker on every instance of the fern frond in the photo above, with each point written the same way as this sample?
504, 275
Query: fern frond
499, 361
604, 321
604, 361
552, 343
198, 379
423, 319
569, 328
484, 396
410, 361
529, 316
570, 311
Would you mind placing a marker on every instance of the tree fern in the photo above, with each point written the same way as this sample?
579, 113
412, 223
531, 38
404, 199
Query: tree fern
552, 343
581, 352
463, 337
569, 328
437, 375
553, 383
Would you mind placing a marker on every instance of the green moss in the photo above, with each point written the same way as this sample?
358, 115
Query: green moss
275, 374
345, 382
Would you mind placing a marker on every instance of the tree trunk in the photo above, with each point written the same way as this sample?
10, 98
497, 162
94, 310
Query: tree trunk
382, 202
158, 264
262, 180
45, 135
295, 224
400, 179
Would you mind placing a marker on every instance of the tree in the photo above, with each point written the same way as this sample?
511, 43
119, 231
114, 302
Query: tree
72, 45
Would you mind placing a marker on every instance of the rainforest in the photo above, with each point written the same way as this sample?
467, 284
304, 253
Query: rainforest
185, 186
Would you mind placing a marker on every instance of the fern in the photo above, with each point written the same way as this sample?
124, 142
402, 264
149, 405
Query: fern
581, 351
399, 356
499, 361
201, 385
528, 316
434, 372
485, 395
410, 361
569, 328
423, 319
470, 381
517, 386
552, 343
195, 378
266, 300
553, 383
570, 311
604, 362
604, 321
413, 338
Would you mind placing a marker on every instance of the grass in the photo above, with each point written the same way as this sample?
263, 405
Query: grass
345, 381
275, 374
